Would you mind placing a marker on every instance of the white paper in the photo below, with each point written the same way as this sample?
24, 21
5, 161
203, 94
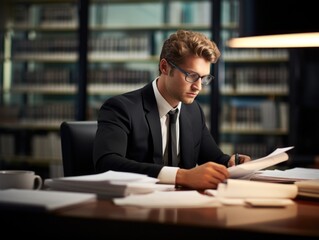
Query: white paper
111, 176
238, 188
141, 187
43, 200
172, 199
308, 185
109, 184
288, 175
268, 202
245, 170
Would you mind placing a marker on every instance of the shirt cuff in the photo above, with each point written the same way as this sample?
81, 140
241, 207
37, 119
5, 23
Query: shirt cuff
167, 175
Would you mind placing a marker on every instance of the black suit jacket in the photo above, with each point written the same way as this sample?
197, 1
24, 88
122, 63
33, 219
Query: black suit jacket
129, 136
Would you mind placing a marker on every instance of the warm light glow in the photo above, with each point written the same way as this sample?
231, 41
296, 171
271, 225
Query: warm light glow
295, 40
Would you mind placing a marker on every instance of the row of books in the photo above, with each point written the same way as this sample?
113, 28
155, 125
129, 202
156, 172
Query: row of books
55, 14
195, 12
230, 12
42, 76
44, 147
49, 111
253, 149
148, 14
49, 45
118, 42
238, 54
255, 115
45, 14
256, 79
120, 76
66, 76
122, 46
137, 45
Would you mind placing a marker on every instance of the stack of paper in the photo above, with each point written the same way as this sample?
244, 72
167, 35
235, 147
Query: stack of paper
308, 188
109, 184
288, 175
239, 192
237, 188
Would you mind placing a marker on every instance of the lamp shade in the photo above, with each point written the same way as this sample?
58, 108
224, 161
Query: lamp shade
286, 21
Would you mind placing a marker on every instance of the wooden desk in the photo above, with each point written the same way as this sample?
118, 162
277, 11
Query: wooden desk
103, 219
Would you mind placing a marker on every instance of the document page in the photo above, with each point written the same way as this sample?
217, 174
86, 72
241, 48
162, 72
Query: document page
172, 199
245, 170
41, 200
288, 175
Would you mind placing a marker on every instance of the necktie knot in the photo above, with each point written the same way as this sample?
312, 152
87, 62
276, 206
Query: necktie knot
173, 115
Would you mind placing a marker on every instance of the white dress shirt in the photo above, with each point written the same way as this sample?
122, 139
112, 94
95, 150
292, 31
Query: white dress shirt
167, 174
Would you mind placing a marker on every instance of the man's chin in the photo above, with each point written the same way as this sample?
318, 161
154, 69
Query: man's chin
188, 101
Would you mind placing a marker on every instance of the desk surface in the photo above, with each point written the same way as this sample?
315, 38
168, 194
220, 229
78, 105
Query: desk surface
102, 218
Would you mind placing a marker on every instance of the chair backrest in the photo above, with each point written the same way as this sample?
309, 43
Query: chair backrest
77, 138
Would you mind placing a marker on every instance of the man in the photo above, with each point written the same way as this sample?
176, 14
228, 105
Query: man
132, 128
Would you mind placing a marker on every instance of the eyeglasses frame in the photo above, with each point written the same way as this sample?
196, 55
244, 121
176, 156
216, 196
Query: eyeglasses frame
187, 74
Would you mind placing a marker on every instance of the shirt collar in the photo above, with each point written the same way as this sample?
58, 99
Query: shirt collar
163, 106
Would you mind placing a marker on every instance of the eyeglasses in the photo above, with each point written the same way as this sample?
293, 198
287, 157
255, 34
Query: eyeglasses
193, 77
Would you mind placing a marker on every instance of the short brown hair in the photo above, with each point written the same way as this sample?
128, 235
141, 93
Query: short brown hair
185, 43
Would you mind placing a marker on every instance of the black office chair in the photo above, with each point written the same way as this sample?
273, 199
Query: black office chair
77, 139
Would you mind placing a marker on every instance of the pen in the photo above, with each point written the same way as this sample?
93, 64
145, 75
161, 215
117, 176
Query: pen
236, 159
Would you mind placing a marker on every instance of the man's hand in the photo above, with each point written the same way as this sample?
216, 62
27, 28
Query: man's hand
205, 176
242, 158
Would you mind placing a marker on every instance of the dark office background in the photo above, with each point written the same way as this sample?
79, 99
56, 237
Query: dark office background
261, 17
264, 17
305, 106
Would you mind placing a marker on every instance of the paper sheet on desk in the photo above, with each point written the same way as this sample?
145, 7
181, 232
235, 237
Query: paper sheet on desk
172, 199
245, 170
41, 200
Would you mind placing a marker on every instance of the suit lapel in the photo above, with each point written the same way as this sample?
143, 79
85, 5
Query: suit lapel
152, 116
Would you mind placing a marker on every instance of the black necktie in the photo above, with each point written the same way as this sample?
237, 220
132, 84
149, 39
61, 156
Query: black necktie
172, 141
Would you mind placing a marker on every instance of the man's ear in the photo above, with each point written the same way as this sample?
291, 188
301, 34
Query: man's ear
164, 67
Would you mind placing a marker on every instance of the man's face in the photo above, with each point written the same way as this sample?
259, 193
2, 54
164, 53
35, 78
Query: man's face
181, 90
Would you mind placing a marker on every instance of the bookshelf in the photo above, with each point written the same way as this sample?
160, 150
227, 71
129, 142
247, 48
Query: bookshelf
124, 52
43, 80
38, 83
42, 76
254, 93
